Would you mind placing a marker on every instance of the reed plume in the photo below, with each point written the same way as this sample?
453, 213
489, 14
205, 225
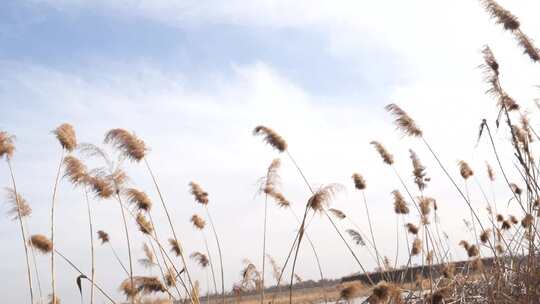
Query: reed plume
337, 213
359, 182
403, 121
19, 207
198, 222
419, 171
175, 247
385, 155
200, 258
139, 199
412, 229
7, 145
149, 259
400, 205
465, 170
357, 237
41, 243
65, 134
144, 225
271, 138
416, 247
501, 15
320, 200
199, 194
103, 236
141, 285
127, 143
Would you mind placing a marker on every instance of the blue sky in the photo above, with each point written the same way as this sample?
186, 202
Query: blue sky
192, 78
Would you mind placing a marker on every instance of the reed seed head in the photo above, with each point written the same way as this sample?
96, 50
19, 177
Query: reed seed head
527, 221
359, 182
41, 243
400, 205
416, 247
484, 236
357, 237
175, 247
65, 134
101, 187
198, 222
75, 170
19, 207
403, 121
385, 155
144, 225
7, 145
419, 171
103, 236
501, 15
465, 170
127, 143
322, 197
337, 213
527, 45
411, 228
200, 258
200, 195
139, 199
271, 138
490, 172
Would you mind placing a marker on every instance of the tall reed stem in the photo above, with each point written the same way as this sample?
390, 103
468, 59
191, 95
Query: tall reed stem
23, 232
219, 253
91, 226
53, 282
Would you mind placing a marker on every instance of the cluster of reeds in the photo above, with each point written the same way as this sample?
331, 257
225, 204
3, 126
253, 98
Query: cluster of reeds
502, 265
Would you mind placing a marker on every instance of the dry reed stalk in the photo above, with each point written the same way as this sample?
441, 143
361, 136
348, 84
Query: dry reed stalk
7, 148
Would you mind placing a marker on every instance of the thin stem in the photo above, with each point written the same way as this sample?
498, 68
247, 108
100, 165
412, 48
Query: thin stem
126, 231
264, 246
219, 253
23, 233
90, 224
53, 283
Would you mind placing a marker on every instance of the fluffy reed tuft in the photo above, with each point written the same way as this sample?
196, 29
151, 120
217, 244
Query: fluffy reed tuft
490, 172
516, 189
271, 138
465, 170
411, 228
65, 134
527, 45
198, 222
425, 204
7, 145
200, 258
200, 195
385, 155
322, 197
337, 213
141, 285
350, 292
419, 171
359, 182
472, 250
103, 236
175, 247
502, 16
400, 205
357, 237
139, 199
127, 143
144, 225
101, 187
484, 236
416, 247
76, 171
18, 205
41, 243
527, 221
149, 260
403, 121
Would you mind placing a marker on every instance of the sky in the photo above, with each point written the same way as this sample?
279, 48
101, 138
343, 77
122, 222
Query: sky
193, 78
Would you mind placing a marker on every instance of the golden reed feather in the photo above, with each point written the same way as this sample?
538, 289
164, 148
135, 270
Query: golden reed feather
385, 155
419, 171
103, 236
200, 258
75, 170
65, 134
337, 213
322, 197
411, 228
198, 222
502, 16
41, 243
18, 205
139, 199
127, 143
400, 205
359, 182
465, 170
144, 225
403, 121
271, 138
7, 145
175, 247
199, 194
